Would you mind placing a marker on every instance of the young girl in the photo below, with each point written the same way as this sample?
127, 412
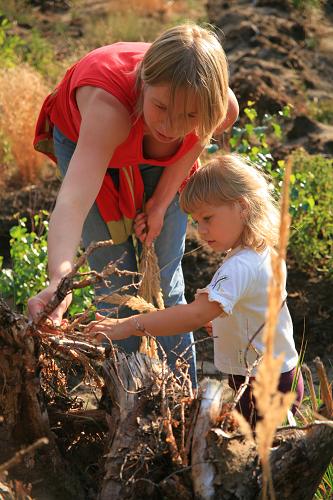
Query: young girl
131, 119
232, 205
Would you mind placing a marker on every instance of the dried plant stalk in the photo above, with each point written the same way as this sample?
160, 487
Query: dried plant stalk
271, 404
150, 290
325, 388
308, 375
135, 303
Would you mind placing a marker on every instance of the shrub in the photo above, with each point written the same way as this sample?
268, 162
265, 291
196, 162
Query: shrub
9, 44
254, 140
311, 207
311, 194
28, 274
22, 91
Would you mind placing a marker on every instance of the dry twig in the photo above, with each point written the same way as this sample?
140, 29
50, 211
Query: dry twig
16, 459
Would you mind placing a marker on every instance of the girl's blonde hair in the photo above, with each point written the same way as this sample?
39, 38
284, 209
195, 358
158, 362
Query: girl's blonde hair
189, 57
230, 178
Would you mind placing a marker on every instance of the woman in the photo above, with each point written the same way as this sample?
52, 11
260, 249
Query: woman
128, 120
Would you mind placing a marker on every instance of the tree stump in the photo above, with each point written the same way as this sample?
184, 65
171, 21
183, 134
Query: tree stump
163, 443
24, 417
224, 465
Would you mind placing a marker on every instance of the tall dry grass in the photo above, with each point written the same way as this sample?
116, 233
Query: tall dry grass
22, 91
272, 405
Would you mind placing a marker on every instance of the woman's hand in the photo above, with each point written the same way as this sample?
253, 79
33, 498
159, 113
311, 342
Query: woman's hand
37, 304
107, 329
148, 225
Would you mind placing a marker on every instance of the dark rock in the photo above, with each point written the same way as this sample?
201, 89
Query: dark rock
302, 126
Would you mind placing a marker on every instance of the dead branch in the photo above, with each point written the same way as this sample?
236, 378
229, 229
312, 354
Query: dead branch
326, 390
308, 375
16, 459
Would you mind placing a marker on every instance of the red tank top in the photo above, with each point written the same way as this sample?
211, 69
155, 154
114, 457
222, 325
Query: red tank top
112, 68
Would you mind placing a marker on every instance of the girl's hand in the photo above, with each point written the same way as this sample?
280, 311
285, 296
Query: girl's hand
209, 328
37, 304
106, 328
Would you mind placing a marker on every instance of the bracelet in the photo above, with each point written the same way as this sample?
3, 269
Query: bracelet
138, 326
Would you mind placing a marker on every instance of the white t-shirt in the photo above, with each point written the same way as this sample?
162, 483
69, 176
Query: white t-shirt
240, 286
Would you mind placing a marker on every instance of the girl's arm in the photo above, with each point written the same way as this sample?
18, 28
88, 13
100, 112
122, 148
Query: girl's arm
174, 175
171, 321
105, 124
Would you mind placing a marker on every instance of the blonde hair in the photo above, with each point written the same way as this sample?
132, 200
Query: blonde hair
230, 178
189, 57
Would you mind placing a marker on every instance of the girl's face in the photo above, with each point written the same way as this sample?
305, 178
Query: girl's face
165, 121
221, 226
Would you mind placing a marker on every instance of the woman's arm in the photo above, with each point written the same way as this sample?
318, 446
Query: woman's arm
171, 321
105, 124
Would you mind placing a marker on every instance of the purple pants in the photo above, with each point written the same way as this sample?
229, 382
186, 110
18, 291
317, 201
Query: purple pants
247, 406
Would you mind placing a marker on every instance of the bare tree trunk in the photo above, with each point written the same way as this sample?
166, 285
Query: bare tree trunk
298, 462
203, 470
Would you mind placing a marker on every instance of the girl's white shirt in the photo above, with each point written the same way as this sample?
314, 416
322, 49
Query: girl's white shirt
240, 286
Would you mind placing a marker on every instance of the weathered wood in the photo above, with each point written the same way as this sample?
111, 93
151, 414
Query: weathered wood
25, 418
236, 470
300, 461
203, 470
148, 440
131, 383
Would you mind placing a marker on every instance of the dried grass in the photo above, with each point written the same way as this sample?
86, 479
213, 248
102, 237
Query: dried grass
150, 6
150, 290
271, 404
135, 303
22, 91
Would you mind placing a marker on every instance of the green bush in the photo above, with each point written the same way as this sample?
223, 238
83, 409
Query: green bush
9, 44
311, 207
38, 52
32, 49
28, 274
251, 140
311, 192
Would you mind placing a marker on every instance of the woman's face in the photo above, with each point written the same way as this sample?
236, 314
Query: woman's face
167, 121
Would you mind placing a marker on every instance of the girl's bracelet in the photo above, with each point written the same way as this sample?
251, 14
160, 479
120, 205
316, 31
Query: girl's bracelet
138, 326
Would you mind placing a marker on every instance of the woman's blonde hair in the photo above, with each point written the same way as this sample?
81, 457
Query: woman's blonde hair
230, 178
189, 57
